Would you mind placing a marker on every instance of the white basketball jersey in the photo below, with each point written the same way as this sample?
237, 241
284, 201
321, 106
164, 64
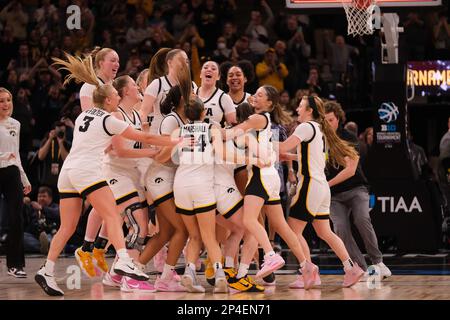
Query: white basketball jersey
246, 96
196, 160
159, 88
217, 105
224, 171
265, 145
92, 134
135, 122
311, 151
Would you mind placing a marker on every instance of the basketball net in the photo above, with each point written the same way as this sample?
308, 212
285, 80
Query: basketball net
359, 16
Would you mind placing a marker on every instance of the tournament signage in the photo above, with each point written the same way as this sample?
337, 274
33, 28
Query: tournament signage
429, 77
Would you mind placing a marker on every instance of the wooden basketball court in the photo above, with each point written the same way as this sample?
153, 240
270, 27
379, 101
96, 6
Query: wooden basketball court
423, 281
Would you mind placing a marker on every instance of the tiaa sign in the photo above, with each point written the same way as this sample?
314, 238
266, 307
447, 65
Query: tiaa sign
395, 204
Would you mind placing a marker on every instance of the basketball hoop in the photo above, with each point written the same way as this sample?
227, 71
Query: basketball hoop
359, 16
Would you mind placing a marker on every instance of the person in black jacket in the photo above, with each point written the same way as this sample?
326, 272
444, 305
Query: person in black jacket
349, 194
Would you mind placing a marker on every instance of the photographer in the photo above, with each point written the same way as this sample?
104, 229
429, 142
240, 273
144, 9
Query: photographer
270, 71
53, 151
41, 221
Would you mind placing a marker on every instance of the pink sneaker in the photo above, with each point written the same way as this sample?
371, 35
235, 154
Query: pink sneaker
309, 272
131, 285
112, 280
169, 285
300, 284
352, 276
270, 265
160, 259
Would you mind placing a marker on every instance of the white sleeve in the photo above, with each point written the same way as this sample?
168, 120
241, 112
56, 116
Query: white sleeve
113, 126
153, 88
23, 176
194, 86
168, 125
227, 104
87, 90
305, 131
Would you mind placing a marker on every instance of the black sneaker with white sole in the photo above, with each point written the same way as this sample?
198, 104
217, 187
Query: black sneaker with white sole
17, 272
48, 283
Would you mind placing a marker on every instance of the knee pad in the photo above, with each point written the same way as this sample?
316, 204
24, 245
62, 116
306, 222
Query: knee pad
132, 238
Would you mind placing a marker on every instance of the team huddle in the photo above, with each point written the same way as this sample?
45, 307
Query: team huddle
204, 159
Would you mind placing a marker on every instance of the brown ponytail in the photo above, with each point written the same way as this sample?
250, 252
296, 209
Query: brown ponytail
158, 64
278, 115
338, 149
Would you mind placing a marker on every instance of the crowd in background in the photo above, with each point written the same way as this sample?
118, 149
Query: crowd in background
296, 53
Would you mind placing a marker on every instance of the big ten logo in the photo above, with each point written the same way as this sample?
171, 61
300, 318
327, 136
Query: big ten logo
388, 127
73, 281
374, 279
74, 19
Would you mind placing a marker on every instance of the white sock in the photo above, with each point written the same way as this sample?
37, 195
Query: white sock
89, 239
123, 254
217, 265
269, 254
192, 266
229, 262
243, 270
167, 272
348, 264
49, 267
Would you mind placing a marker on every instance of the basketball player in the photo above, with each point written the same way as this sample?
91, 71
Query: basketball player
314, 138
263, 187
81, 173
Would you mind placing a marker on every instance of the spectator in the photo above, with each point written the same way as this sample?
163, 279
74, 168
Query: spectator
181, 20
443, 171
418, 158
13, 184
297, 55
441, 37
315, 84
15, 17
207, 20
280, 50
270, 71
12, 81
350, 194
352, 127
138, 32
22, 63
416, 36
22, 113
41, 221
340, 56
222, 53
257, 32
9, 47
229, 33
241, 51
52, 153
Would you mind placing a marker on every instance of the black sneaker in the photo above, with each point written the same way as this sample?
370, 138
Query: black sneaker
17, 272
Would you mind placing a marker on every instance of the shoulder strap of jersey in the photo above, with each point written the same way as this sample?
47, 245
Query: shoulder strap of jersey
137, 116
314, 134
122, 112
267, 120
159, 85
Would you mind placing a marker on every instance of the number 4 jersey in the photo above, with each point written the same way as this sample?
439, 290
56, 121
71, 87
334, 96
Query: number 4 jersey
197, 159
93, 132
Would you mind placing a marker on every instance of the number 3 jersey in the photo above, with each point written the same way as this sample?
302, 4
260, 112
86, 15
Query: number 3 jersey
197, 158
93, 132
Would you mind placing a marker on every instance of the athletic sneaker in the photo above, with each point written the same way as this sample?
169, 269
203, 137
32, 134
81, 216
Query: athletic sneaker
384, 270
17, 272
132, 285
269, 280
84, 260
209, 272
245, 284
352, 275
176, 276
98, 257
230, 274
47, 283
112, 280
270, 265
169, 285
309, 274
159, 260
126, 267
221, 285
299, 283
190, 281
